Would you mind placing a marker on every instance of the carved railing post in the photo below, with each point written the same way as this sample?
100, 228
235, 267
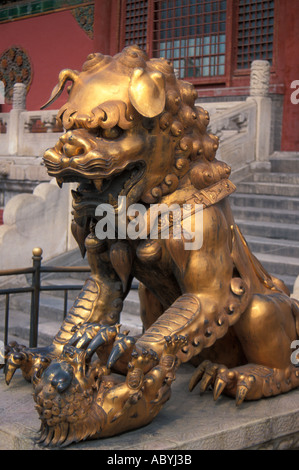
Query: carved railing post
18, 105
259, 92
19, 96
260, 78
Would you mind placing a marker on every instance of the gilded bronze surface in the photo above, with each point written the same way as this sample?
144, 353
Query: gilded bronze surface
132, 130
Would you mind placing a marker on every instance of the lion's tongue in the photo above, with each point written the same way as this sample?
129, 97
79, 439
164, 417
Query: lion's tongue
98, 184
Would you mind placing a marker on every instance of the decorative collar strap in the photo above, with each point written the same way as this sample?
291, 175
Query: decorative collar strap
213, 194
204, 198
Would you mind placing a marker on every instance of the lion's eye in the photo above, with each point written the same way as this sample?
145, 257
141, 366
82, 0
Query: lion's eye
112, 133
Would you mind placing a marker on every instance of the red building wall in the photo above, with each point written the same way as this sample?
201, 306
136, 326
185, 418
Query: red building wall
53, 42
288, 70
56, 41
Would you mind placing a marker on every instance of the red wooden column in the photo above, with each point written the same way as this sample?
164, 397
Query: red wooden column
101, 26
288, 70
115, 26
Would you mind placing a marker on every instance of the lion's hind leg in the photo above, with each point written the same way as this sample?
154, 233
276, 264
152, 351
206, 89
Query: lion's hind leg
266, 332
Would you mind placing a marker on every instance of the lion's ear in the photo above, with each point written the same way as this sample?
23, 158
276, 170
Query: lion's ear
64, 76
147, 92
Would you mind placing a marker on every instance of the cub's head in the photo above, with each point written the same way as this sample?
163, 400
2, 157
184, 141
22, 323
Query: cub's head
132, 129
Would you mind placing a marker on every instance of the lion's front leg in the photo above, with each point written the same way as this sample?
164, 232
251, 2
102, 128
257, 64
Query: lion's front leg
100, 301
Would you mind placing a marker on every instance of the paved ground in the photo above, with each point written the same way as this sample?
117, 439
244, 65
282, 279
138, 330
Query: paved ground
187, 422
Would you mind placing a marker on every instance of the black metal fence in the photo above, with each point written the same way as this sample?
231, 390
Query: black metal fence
35, 288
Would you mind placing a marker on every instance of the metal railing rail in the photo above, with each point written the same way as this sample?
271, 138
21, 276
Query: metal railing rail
35, 288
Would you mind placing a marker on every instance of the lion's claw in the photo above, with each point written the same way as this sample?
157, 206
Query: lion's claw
219, 386
122, 343
244, 385
205, 374
232, 381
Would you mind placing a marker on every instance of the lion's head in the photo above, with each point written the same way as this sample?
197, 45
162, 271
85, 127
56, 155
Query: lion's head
132, 129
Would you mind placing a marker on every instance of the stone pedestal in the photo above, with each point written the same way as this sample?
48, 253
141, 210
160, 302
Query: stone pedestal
187, 422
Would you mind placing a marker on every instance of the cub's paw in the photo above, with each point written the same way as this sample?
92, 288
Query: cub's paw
31, 361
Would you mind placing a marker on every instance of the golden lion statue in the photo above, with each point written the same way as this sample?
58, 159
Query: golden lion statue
133, 131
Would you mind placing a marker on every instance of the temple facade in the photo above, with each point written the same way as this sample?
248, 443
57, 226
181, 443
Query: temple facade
212, 44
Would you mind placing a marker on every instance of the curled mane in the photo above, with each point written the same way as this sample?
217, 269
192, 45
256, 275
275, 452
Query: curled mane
195, 148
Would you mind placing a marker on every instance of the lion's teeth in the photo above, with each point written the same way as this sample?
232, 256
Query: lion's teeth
112, 201
76, 195
59, 182
98, 184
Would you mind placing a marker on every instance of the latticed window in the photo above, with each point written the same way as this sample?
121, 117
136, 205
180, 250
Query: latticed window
191, 33
136, 23
208, 41
255, 31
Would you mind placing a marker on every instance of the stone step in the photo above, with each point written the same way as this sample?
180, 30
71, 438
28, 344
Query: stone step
279, 265
74, 277
289, 248
19, 327
264, 201
72, 294
131, 303
285, 162
288, 280
17, 319
70, 259
269, 229
51, 305
277, 189
284, 178
266, 214
72, 281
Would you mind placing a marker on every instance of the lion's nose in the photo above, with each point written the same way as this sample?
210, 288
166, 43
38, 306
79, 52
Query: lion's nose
62, 381
73, 144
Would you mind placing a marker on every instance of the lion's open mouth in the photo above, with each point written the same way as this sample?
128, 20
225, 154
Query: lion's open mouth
92, 190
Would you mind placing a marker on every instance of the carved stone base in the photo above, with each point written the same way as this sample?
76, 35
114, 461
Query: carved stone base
198, 423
